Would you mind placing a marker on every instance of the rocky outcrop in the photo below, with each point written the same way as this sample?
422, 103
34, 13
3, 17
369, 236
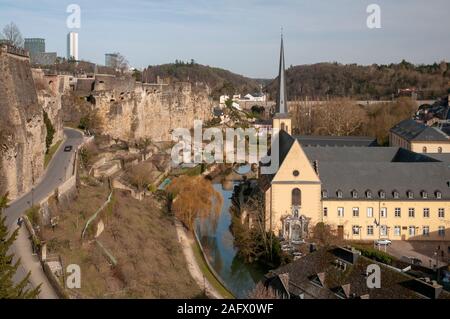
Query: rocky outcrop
22, 128
130, 110
22, 133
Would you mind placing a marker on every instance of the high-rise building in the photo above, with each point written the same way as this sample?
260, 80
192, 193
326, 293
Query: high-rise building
111, 59
72, 46
35, 45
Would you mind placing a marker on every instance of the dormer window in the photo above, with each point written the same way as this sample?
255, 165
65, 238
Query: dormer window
438, 195
424, 194
369, 194
319, 280
382, 194
410, 194
325, 194
354, 194
396, 194
339, 194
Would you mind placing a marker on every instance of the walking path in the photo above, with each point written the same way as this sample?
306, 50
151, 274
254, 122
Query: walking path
30, 262
186, 242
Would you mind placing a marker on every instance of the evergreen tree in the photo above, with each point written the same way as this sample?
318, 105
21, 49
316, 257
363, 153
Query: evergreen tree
8, 290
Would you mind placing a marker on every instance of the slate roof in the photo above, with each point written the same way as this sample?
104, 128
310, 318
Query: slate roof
386, 176
374, 169
298, 275
411, 130
341, 141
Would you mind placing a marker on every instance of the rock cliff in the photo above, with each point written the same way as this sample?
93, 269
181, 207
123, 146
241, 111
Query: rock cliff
22, 128
130, 110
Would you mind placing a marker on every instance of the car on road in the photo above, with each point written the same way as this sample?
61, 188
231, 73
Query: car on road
68, 148
383, 242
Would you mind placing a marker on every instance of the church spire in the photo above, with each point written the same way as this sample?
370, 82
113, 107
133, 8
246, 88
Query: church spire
281, 107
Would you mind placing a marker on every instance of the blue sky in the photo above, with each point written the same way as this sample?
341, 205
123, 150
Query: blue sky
241, 35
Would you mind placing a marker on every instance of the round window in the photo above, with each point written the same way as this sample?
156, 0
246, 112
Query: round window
296, 173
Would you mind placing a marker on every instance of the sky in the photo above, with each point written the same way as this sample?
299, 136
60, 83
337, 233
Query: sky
242, 36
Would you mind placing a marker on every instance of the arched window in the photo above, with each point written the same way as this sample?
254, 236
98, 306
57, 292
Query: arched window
296, 197
369, 194
424, 150
382, 194
339, 193
439, 150
438, 194
354, 194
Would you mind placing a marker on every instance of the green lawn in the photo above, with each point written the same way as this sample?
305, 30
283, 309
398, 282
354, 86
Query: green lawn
208, 274
51, 152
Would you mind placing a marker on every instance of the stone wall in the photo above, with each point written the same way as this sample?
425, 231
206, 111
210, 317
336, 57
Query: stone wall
48, 89
22, 129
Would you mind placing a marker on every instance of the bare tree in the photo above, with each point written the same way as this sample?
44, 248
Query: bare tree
340, 117
261, 292
12, 34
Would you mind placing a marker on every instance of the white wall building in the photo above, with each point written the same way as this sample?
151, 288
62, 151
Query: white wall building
72, 46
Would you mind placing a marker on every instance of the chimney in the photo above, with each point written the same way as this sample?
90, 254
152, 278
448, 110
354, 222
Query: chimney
426, 287
349, 255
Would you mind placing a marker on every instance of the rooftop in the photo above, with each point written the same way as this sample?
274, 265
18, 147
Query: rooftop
327, 274
390, 172
336, 141
411, 130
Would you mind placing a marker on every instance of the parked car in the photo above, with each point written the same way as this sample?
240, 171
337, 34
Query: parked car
68, 148
383, 242
415, 261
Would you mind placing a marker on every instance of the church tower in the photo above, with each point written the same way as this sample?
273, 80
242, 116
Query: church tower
281, 120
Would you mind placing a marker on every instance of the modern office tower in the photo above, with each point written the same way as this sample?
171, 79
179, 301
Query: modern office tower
111, 59
72, 46
35, 45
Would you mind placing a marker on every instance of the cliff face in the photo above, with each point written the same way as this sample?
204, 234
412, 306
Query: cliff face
22, 130
131, 111
24, 95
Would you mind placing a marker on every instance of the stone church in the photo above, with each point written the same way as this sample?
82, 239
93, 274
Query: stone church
363, 191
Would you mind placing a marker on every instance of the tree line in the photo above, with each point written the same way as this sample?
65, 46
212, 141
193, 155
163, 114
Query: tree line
374, 82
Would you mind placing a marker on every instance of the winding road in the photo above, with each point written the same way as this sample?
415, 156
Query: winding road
59, 169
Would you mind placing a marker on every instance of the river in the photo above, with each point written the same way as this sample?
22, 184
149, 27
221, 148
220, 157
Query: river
217, 242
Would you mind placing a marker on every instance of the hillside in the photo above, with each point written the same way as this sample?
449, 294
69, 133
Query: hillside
219, 80
365, 82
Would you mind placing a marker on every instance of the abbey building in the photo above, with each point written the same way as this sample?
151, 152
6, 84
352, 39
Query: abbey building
363, 191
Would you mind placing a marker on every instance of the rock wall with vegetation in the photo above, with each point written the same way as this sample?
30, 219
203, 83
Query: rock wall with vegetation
23, 131
128, 110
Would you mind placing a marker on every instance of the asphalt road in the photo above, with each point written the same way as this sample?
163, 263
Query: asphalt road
55, 175
59, 169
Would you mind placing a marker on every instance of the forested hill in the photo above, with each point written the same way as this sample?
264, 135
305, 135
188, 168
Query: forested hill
365, 82
221, 81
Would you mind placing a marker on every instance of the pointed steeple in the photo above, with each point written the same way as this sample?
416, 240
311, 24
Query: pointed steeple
281, 107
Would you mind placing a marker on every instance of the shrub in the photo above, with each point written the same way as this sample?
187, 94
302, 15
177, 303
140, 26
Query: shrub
376, 255
50, 133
